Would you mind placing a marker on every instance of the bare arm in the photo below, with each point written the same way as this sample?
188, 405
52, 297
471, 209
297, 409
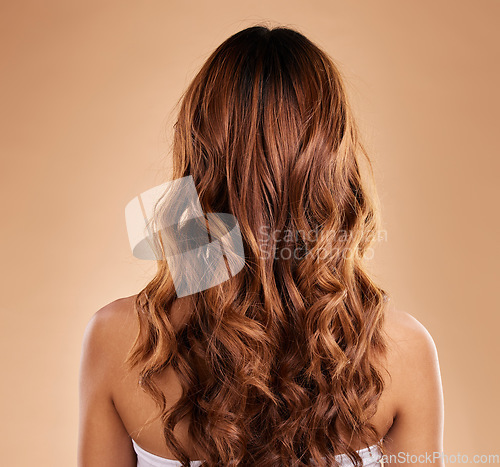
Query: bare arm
417, 432
103, 440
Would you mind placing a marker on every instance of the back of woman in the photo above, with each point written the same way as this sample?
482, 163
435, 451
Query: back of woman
296, 357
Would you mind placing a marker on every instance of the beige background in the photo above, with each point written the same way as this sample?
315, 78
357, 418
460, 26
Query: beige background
86, 102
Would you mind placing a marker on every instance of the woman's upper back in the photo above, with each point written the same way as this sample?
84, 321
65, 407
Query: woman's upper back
408, 416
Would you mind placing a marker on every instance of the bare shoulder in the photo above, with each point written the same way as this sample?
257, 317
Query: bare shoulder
412, 359
113, 315
407, 337
103, 438
116, 310
110, 330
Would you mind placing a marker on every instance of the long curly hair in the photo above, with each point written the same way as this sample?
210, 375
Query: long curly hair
275, 360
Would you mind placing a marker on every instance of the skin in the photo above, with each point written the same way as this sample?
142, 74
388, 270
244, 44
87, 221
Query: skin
113, 408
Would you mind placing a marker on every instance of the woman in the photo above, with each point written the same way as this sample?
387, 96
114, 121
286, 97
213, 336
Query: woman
298, 359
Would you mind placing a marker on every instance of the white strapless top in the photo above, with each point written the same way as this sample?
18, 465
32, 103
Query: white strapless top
371, 457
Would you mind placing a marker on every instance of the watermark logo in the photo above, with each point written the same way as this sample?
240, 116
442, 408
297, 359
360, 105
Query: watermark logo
433, 457
202, 249
291, 244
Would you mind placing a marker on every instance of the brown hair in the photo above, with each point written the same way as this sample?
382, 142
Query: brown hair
274, 359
